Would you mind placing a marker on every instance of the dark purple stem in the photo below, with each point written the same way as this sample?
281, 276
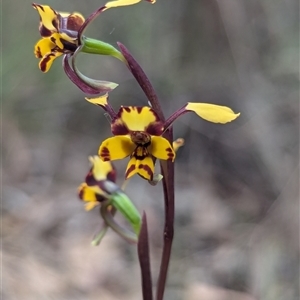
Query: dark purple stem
179, 112
167, 169
103, 87
90, 18
75, 79
143, 81
109, 110
144, 259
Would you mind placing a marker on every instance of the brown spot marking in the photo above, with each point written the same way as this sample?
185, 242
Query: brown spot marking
53, 40
38, 53
155, 128
131, 169
119, 129
38, 5
120, 112
170, 154
127, 108
155, 114
139, 109
55, 24
147, 169
90, 179
112, 175
140, 153
105, 154
44, 32
44, 61
68, 46
80, 194
100, 198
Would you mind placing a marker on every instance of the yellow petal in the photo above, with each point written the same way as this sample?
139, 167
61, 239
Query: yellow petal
47, 60
67, 38
161, 148
101, 101
48, 16
121, 3
88, 195
144, 167
57, 38
91, 194
136, 118
124, 3
100, 168
213, 113
91, 205
131, 168
177, 144
116, 147
42, 47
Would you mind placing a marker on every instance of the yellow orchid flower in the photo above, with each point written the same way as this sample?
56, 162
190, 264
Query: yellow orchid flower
59, 34
137, 133
94, 190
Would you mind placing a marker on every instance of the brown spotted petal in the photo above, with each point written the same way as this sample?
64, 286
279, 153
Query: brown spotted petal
142, 166
135, 118
47, 60
100, 171
48, 19
90, 196
161, 148
117, 147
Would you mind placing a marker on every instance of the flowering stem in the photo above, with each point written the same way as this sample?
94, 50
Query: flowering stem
143, 81
89, 20
144, 259
167, 168
179, 112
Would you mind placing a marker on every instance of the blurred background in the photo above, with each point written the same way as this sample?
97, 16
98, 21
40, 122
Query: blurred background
237, 185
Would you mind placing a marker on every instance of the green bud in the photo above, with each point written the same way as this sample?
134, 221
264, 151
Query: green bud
98, 47
108, 217
124, 205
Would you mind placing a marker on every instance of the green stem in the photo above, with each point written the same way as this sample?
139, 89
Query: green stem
98, 238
